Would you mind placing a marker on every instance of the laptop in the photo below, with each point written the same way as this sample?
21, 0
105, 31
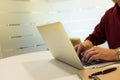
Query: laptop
61, 47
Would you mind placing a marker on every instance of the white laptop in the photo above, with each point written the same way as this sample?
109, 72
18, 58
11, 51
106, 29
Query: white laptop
60, 45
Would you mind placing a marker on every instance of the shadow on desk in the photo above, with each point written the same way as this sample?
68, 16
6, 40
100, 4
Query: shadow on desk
49, 69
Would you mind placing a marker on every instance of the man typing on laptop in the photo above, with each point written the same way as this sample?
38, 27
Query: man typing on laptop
107, 30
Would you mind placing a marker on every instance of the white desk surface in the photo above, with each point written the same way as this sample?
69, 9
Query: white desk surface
36, 66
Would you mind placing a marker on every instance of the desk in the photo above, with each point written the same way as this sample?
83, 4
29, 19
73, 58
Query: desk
36, 66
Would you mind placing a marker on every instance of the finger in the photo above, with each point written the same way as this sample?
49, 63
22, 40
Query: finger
85, 58
78, 48
94, 57
89, 54
92, 49
75, 47
82, 53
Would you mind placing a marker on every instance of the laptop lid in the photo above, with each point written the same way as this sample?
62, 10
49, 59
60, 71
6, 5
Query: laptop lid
59, 44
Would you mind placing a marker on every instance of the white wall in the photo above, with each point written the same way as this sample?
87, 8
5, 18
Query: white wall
18, 33
78, 16
20, 18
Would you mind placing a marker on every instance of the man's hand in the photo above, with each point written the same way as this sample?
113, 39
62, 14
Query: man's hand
99, 53
80, 48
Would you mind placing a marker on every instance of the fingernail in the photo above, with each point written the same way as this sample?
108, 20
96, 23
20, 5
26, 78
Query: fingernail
82, 53
83, 59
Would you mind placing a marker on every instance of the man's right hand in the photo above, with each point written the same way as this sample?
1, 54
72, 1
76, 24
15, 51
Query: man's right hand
80, 48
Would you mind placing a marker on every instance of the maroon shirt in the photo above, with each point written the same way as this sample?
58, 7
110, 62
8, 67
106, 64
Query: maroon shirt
108, 29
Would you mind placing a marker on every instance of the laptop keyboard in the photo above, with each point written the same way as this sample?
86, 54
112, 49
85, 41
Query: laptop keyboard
93, 62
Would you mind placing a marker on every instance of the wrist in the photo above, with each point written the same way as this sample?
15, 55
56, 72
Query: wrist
117, 50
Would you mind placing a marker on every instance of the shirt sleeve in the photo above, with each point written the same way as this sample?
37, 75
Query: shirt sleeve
98, 36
